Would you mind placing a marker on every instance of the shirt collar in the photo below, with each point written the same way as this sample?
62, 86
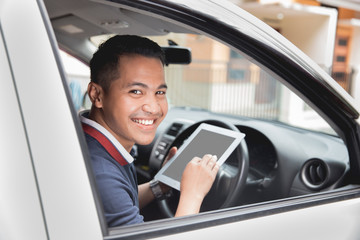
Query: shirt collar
106, 139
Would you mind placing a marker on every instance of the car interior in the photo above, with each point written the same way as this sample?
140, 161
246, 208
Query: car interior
288, 150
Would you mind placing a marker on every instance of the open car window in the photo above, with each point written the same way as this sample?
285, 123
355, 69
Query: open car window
220, 83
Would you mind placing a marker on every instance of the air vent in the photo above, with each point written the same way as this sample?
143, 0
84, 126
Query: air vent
174, 129
315, 173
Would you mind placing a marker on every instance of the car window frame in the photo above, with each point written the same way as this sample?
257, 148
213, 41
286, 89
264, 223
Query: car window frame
75, 117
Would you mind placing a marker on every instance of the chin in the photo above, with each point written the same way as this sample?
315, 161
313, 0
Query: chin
144, 141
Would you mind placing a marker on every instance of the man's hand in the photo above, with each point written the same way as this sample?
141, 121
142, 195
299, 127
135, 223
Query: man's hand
196, 181
199, 175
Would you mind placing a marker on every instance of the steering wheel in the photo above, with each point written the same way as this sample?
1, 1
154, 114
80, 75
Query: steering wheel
230, 180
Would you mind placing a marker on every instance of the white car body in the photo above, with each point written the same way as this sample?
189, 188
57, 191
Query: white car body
45, 189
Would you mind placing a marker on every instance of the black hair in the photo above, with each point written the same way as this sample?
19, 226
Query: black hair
105, 61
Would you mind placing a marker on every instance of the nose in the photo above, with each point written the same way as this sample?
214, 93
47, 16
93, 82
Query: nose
151, 105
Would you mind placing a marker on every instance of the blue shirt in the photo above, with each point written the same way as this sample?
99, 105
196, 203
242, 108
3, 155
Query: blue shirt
115, 175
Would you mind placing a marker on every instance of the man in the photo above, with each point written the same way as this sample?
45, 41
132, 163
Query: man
128, 95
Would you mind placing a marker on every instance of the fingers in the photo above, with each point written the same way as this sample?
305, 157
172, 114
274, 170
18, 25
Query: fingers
171, 153
199, 175
208, 161
197, 160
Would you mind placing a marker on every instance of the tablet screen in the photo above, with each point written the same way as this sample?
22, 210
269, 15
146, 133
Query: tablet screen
207, 139
205, 142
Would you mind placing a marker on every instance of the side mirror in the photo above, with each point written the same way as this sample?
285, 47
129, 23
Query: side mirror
177, 55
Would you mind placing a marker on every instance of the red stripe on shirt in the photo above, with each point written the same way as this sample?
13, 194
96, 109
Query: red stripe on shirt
105, 142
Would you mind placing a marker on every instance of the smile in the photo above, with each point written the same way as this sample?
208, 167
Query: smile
143, 121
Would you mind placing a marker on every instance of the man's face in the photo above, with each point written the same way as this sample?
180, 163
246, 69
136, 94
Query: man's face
136, 102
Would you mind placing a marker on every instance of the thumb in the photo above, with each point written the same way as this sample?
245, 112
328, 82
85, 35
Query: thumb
171, 153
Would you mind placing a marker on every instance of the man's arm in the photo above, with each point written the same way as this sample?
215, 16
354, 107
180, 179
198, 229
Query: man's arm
145, 195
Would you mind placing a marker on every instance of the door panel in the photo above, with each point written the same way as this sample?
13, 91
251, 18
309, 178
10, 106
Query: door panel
21, 214
329, 221
64, 186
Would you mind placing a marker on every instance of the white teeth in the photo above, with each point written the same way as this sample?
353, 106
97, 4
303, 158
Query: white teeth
144, 122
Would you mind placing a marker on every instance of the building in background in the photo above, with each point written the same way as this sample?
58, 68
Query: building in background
345, 54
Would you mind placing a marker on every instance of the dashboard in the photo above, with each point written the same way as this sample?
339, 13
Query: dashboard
283, 161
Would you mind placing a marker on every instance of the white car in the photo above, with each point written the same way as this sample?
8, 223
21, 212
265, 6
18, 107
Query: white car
295, 176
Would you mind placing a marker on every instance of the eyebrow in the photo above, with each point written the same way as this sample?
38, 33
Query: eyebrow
145, 86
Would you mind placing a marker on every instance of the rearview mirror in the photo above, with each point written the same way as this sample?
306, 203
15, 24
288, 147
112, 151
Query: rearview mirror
177, 55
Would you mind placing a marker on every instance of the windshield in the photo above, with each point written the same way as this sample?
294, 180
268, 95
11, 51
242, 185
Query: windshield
219, 79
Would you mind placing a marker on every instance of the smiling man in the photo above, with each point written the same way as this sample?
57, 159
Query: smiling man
128, 95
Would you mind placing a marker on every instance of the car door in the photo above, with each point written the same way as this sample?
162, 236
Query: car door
55, 189
45, 189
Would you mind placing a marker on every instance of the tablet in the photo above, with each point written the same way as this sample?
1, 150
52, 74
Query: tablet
206, 139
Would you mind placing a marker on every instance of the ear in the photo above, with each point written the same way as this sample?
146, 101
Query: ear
96, 94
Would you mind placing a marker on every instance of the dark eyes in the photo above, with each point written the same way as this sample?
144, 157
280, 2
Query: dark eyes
138, 92
160, 93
